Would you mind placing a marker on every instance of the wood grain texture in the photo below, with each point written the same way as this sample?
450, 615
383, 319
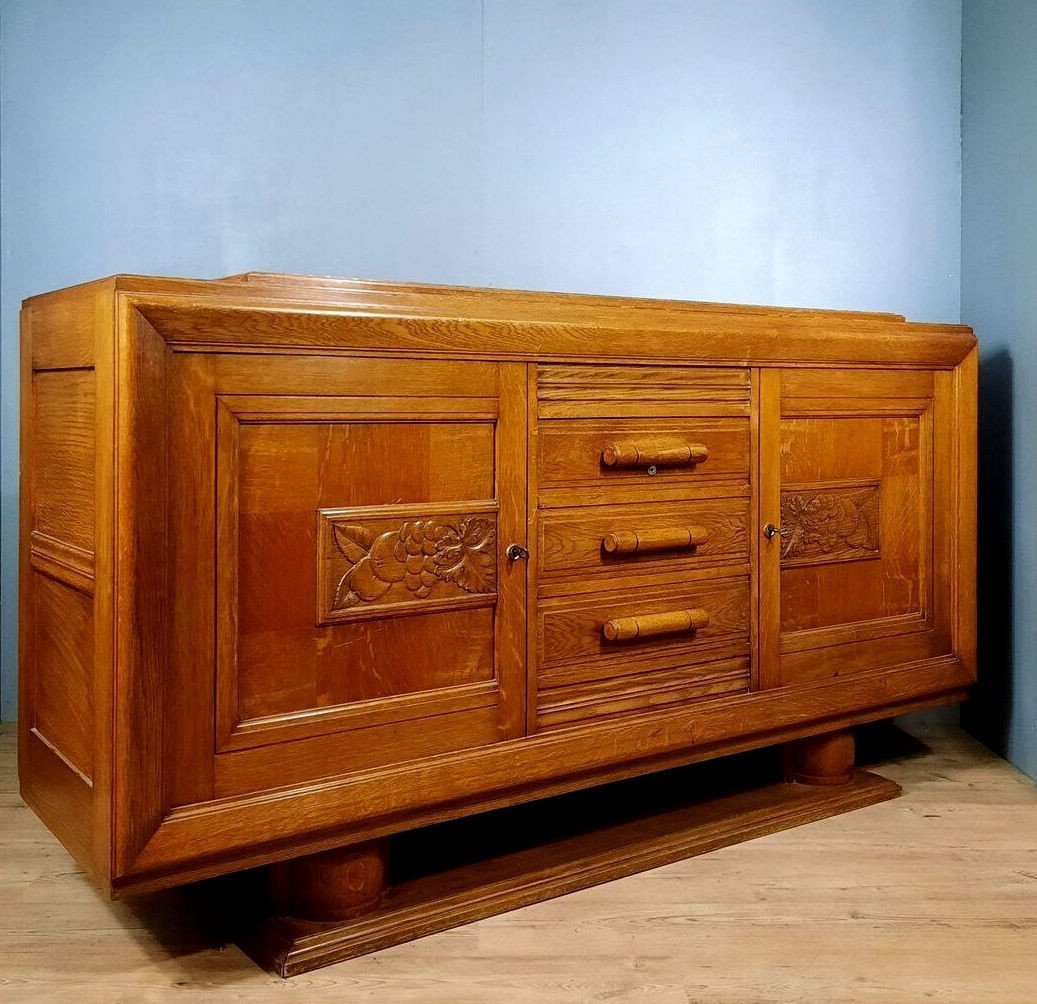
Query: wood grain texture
825, 760
399, 613
652, 625
648, 452
527, 325
334, 886
255, 645
62, 423
667, 538
873, 887
404, 561
62, 708
64, 689
144, 589
573, 452
64, 562
594, 544
64, 332
573, 643
640, 391
639, 692
211, 839
830, 524
859, 476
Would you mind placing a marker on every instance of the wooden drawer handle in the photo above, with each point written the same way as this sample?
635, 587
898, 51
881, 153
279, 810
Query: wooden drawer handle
650, 625
670, 538
628, 454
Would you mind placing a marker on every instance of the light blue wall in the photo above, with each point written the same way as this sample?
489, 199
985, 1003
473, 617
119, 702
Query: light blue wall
773, 151
999, 298
778, 151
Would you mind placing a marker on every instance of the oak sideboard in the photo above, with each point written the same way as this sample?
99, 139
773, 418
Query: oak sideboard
306, 563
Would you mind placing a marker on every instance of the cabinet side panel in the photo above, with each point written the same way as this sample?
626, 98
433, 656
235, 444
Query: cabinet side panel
57, 730
63, 447
63, 704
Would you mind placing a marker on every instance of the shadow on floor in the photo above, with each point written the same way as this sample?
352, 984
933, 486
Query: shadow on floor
882, 742
209, 915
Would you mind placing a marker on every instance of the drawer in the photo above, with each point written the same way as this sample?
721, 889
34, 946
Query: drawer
587, 391
654, 454
608, 540
641, 693
603, 635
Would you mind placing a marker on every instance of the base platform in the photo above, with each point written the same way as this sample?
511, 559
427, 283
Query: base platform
525, 858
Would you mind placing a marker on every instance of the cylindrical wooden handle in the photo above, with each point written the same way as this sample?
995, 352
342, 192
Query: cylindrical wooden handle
669, 538
650, 625
627, 454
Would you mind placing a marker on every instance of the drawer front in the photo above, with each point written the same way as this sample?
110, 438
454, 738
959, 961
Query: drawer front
662, 454
602, 635
588, 391
642, 693
597, 543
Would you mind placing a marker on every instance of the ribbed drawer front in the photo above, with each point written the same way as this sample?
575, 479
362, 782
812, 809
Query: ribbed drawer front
607, 653
571, 391
643, 544
572, 630
639, 694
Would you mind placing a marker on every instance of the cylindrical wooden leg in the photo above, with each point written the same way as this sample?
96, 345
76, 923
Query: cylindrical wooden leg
824, 759
334, 885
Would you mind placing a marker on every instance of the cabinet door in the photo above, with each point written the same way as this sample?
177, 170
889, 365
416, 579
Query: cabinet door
857, 485
362, 610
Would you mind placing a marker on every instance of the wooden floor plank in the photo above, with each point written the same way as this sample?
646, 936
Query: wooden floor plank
930, 896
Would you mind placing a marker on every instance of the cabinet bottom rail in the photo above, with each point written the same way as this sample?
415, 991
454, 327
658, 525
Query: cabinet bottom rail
509, 879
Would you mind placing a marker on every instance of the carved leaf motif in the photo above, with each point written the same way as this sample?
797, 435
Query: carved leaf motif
420, 554
353, 541
837, 522
469, 561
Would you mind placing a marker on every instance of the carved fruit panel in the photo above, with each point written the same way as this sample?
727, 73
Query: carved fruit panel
388, 561
829, 524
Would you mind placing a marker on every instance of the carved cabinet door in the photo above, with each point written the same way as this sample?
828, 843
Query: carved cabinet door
353, 518
857, 520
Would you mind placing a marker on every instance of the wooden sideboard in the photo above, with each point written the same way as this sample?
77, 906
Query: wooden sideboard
309, 562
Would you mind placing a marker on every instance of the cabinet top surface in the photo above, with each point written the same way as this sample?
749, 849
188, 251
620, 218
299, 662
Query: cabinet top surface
257, 309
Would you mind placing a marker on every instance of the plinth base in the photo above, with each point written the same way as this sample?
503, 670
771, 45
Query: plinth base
466, 892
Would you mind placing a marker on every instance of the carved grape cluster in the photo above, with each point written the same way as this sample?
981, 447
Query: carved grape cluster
418, 550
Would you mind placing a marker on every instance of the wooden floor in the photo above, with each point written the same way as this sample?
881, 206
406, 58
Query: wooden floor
931, 896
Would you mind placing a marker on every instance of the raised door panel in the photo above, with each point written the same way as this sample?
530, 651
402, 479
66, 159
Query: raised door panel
364, 611
856, 481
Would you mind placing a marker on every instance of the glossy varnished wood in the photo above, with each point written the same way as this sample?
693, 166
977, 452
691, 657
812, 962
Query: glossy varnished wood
859, 478
333, 886
65, 609
310, 562
824, 761
352, 316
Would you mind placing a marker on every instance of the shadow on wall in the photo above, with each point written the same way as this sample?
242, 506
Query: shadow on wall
986, 714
